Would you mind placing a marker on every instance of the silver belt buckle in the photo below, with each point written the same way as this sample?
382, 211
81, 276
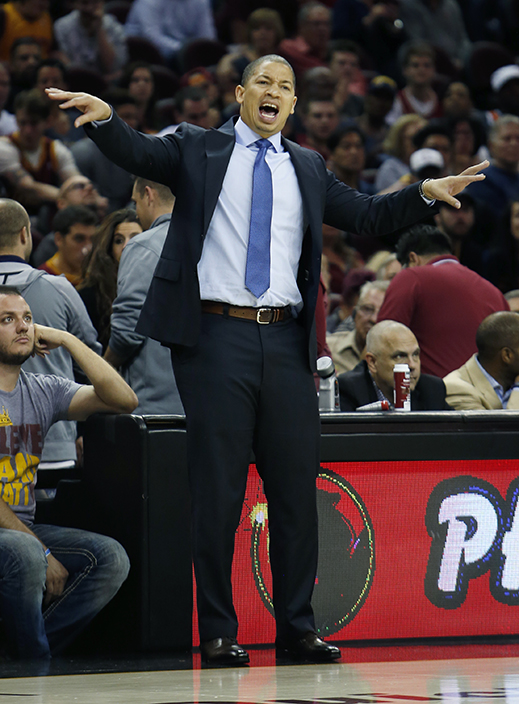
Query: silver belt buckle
268, 312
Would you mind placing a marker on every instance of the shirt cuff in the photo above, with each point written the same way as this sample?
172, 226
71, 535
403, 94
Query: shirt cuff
422, 194
97, 123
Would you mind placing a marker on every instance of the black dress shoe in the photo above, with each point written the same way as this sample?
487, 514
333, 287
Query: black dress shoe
223, 652
309, 648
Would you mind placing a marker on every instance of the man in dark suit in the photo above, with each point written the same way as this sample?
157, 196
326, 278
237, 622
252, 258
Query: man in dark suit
389, 343
242, 352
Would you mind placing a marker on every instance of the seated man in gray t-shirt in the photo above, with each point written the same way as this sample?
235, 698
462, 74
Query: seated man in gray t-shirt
53, 580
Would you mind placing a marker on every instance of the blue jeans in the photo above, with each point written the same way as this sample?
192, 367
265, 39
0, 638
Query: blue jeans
97, 566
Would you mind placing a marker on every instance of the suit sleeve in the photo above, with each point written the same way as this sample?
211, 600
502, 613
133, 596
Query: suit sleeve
153, 158
347, 209
347, 395
462, 396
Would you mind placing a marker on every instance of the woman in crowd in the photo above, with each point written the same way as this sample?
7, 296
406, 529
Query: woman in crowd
138, 80
399, 146
99, 288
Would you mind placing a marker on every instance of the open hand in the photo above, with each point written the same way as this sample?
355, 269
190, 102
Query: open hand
449, 186
92, 108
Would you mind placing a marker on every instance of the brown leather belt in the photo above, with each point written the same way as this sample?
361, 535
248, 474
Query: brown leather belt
263, 316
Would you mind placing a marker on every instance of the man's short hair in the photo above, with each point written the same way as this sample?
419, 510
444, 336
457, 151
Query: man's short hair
418, 48
250, 69
164, 193
335, 138
10, 291
306, 10
53, 63
22, 41
433, 127
36, 105
500, 123
498, 330
514, 293
73, 215
13, 217
372, 286
339, 46
422, 240
189, 93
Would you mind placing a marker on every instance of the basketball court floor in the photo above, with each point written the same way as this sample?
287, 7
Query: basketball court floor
447, 672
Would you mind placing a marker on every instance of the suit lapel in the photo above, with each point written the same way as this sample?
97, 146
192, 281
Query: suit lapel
480, 382
304, 178
218, 149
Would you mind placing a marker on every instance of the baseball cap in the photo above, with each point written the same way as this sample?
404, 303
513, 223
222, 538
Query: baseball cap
504, 74
382, 85
425, 158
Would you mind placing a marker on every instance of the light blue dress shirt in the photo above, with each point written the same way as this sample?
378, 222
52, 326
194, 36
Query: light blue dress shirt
221, 269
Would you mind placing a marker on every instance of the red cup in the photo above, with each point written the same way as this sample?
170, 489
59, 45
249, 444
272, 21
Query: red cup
402, 392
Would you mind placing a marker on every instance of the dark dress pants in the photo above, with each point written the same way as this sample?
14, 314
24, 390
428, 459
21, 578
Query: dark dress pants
244, 387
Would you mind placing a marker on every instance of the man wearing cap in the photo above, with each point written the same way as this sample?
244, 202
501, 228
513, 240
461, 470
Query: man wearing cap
505, 85
372, 122
502, 178
423, 163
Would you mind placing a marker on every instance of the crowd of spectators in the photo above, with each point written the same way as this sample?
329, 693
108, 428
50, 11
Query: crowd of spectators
390, 92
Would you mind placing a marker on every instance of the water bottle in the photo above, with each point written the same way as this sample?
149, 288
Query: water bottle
329, 401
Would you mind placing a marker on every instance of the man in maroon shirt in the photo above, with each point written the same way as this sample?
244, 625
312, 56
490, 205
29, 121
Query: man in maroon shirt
440, 300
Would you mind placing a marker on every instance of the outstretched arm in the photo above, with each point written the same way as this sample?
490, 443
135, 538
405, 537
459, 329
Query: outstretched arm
148, 156
109, 392
92, 108
449, 186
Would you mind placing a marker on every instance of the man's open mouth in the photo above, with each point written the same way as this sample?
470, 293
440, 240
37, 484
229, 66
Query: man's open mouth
268, 112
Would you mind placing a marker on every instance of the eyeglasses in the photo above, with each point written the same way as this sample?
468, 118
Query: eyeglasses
77, 187
368, 311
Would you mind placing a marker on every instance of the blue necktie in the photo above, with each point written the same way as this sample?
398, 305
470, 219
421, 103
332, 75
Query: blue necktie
257, 272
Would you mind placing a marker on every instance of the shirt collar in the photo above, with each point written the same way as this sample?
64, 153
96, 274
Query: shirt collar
441, 258
246, 137
11, 258
502, 395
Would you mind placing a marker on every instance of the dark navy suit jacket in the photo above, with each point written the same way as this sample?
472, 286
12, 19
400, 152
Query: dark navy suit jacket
193, 162
356, 389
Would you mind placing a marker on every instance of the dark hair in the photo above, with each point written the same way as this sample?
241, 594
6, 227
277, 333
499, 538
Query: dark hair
189, 93
36, 105
422, 240
129, 70
335, 138
6, 290
101, 268
343, 45
164, 192
53, 63
432, 127
477, 127
498, 330
21, 41
250, 69
117, 97
73, 215
418, 48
